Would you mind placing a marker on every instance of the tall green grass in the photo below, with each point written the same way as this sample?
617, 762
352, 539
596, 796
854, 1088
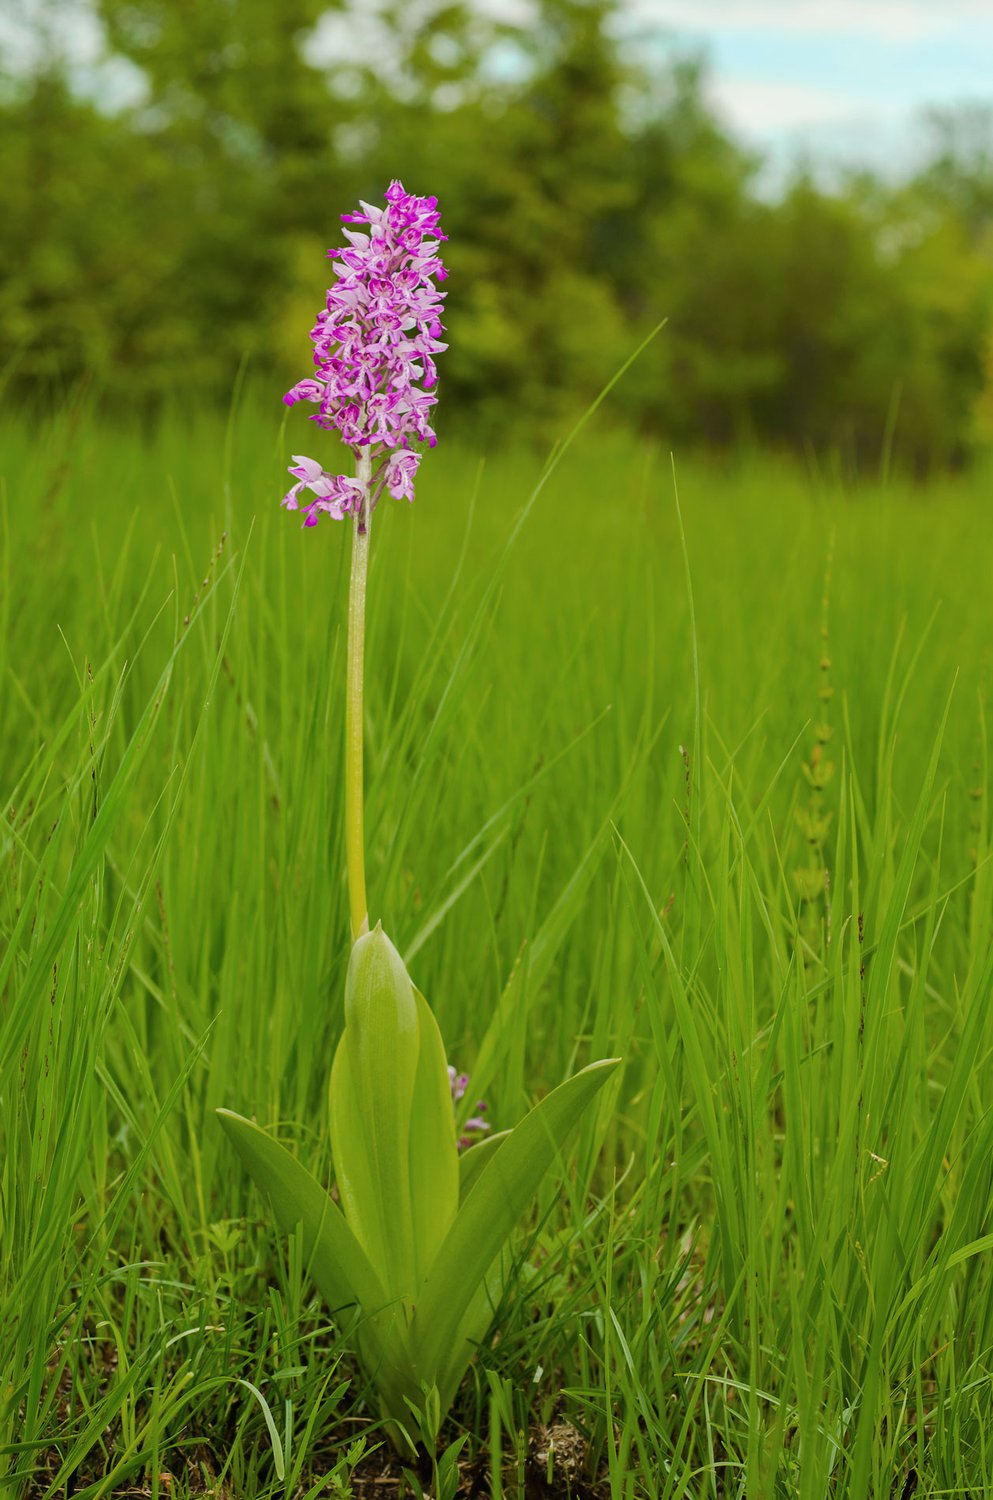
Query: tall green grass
766, 1270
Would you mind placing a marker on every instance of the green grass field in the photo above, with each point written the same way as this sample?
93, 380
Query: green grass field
599, 816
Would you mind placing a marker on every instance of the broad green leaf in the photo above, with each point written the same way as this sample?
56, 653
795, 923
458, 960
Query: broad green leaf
476, 1322
491, 1212
334, 1257
434, 1156
474, 1159
381, 1044
433, 1159
353, 1174
478, 1318
337, 1261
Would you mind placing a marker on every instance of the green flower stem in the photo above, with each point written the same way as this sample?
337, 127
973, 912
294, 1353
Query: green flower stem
354, 821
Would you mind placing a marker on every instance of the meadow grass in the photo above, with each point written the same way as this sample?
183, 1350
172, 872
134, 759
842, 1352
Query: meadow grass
598, 781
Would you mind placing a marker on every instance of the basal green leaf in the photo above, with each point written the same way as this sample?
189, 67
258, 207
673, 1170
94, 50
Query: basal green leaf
357, 1186
381, 1043
335, 1259
490, 1213
474, 1159
434, 1157
476, 1322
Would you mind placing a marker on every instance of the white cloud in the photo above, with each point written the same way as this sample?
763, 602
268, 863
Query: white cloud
889, 20
758, 106
31, 34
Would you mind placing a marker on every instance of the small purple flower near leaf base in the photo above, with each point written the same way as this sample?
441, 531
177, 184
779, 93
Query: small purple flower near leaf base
477, 1126
374, 349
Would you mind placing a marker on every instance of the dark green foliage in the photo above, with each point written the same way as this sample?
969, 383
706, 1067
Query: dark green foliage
587, 195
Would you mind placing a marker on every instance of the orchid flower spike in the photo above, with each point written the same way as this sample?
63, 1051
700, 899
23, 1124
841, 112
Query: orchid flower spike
374, 350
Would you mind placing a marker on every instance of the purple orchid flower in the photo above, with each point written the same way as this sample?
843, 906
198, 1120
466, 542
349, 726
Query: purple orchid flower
473, 1128
374, 350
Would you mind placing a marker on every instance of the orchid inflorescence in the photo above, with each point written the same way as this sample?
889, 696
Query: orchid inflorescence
374, 349
418, 1246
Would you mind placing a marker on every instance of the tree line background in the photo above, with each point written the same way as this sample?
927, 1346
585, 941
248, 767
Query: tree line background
153, 244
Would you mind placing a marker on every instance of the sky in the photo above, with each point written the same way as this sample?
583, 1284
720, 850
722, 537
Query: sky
842, 82
833, 83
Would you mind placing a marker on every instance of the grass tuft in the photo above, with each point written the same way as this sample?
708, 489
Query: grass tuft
591, 788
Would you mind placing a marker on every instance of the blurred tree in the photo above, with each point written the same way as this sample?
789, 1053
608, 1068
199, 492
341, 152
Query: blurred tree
244, 122
953, 256
533, 236
959, 171
156, 239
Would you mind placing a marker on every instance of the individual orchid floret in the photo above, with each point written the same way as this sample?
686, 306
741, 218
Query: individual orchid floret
334, 494
375, 344
400, 471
